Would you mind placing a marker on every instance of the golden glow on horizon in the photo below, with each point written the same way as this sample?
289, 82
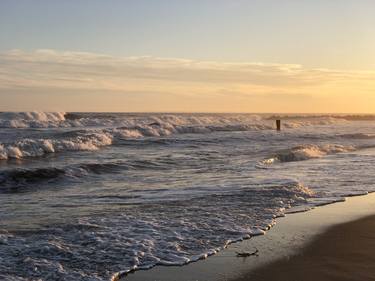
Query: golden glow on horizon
73, 81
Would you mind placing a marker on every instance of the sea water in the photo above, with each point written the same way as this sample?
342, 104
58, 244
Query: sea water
91, 196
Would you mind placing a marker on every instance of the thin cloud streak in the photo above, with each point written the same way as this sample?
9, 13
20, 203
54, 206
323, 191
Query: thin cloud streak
192, 79
87, 69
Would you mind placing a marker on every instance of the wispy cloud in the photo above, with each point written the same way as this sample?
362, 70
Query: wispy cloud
50, 69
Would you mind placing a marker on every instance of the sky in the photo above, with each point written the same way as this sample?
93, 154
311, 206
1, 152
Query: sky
188, 56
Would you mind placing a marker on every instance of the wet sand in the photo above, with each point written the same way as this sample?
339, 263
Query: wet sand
344, 252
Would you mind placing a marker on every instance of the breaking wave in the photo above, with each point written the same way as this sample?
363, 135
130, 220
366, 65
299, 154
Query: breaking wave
31, 119
306, 152
103, 129
221, 121
91, 140
39, 147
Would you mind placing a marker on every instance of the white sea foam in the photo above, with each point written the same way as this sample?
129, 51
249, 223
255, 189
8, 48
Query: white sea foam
39, 147
147, 236
31, 119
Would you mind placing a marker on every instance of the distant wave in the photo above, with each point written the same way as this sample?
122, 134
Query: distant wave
306, 152
222, 121
358, 136
348, 117
93, 139
62, 119
31, 119
362, 117
103, 129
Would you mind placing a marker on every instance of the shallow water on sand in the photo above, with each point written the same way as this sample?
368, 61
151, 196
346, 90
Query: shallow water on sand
84, 196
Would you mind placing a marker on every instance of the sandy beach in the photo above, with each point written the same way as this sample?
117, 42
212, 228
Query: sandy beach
344, 252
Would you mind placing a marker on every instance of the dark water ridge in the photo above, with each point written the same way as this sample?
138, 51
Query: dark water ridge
21, 179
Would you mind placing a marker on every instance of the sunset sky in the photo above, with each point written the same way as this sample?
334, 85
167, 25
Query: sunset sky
191, 56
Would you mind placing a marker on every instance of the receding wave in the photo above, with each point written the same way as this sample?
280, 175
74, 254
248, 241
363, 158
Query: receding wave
306, 152
138, 241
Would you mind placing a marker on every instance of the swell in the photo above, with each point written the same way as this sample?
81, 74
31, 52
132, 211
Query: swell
26, 176
15, 179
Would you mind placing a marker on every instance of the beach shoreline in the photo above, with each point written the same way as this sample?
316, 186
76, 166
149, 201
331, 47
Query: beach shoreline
343, 252
287, 239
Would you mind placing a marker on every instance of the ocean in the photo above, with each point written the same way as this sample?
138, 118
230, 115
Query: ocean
92, 196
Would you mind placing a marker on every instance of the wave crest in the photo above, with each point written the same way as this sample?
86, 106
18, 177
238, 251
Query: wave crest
39, 147
221, 121
306, 152
34, 119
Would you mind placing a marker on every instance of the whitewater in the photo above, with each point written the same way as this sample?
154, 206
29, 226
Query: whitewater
93, 196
